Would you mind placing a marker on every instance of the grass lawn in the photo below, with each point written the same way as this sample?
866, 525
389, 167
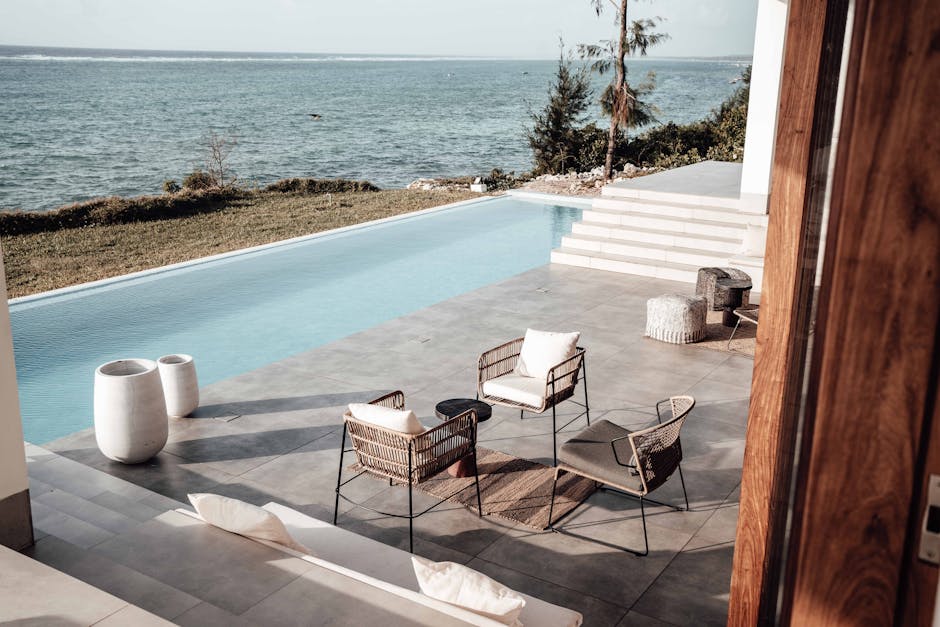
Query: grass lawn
44, 261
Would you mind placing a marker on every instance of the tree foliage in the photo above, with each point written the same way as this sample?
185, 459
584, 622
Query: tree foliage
555, 137
621, 101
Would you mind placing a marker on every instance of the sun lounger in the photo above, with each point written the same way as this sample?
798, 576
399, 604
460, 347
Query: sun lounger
389, 569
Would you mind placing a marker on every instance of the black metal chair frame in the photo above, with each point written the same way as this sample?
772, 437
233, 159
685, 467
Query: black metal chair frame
553, 399
634, 469
411, 473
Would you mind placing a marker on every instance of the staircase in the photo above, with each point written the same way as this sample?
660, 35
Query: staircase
660, 234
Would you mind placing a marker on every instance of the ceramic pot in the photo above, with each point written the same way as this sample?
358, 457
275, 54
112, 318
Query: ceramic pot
130, 413
180, 386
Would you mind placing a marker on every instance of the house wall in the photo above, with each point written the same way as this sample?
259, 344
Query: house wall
16, 529
762, 105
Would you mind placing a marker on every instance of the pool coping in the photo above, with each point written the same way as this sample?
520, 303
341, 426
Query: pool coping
560, 199
81, 287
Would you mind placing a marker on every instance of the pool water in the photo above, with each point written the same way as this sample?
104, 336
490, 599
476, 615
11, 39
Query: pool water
248, 310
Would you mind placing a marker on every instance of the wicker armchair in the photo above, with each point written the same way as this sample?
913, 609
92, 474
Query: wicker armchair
632, 463
529, 393
405, 457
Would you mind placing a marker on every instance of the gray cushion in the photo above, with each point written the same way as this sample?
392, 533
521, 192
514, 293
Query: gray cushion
590, 451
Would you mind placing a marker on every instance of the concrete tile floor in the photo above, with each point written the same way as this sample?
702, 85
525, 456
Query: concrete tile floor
274, 434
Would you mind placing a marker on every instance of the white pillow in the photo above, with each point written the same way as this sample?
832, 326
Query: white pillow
541, 350
386, 417
244, 519
755, 241
464, 587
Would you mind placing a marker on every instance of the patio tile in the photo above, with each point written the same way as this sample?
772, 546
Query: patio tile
584, 566
154, 596
208, 615
86, 511
635, 619
693, 589
66, 527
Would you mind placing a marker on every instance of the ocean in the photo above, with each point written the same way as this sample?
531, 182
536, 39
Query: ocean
77, 123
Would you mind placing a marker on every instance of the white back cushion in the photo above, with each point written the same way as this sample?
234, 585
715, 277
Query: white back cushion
243, 518
386, 417
541, 350
464, 587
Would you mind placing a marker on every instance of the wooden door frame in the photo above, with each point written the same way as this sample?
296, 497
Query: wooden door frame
870, 409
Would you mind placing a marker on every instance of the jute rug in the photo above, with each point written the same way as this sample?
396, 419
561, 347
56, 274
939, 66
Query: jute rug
717, 334
517, 490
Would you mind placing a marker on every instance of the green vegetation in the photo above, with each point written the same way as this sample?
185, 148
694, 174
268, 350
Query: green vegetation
621, 101
113, 236
720, 136
554, 138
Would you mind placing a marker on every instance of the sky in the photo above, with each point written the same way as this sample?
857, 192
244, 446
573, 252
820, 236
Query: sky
527, 29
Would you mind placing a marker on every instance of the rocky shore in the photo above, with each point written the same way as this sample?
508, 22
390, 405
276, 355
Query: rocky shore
571, 184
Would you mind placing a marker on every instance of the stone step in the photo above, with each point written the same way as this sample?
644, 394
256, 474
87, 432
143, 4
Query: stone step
726, 245
665, 223
613, 191
654, 252
678, 210
627, 265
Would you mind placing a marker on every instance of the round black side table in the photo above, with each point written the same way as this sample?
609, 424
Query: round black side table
445, 410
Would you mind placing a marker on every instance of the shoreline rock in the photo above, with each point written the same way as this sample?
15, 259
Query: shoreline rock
570, 184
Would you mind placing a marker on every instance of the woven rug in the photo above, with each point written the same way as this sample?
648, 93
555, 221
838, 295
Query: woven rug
515, 489
717, 334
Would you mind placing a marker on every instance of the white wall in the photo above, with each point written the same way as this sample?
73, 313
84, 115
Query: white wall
12, 454
762, 105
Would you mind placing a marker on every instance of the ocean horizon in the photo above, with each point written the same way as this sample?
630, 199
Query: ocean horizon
79, 123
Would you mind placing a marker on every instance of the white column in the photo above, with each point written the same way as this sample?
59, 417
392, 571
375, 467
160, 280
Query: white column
15, 520
762, 105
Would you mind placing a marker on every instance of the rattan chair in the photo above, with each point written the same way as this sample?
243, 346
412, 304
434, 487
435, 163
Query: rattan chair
559, 384
632, 463
407, 458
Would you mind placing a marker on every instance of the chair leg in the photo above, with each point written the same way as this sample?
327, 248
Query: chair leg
339, 474
476, 474
587, 407
551, 505
646, 541
554, 439
411, 521
684, 493
521, 414
733, 331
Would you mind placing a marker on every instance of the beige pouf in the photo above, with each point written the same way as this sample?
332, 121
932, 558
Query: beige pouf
676, 319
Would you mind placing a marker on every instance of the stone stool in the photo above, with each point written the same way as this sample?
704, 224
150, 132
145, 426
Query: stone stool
707, 286
676, 319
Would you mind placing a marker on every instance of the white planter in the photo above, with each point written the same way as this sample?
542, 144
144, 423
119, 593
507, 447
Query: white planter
130, 413
180, 386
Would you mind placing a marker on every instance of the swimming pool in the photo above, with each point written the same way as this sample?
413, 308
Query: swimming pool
243, 311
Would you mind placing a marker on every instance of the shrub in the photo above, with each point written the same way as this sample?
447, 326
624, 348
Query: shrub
554, 137
320, 186
198, 180
115, 210
170, 186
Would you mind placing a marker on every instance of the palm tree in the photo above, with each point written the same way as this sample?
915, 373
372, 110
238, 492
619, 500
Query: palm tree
621, 101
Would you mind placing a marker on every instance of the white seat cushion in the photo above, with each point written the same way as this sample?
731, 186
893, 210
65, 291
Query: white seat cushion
464, 587
243, 518
515, 387
387, 418
542, 350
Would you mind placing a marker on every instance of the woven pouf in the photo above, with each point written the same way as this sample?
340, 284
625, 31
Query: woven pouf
676, 319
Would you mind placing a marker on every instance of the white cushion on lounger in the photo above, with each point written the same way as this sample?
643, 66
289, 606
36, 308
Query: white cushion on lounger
515, 387
243, 518
542, 350
386, 417
464, 587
